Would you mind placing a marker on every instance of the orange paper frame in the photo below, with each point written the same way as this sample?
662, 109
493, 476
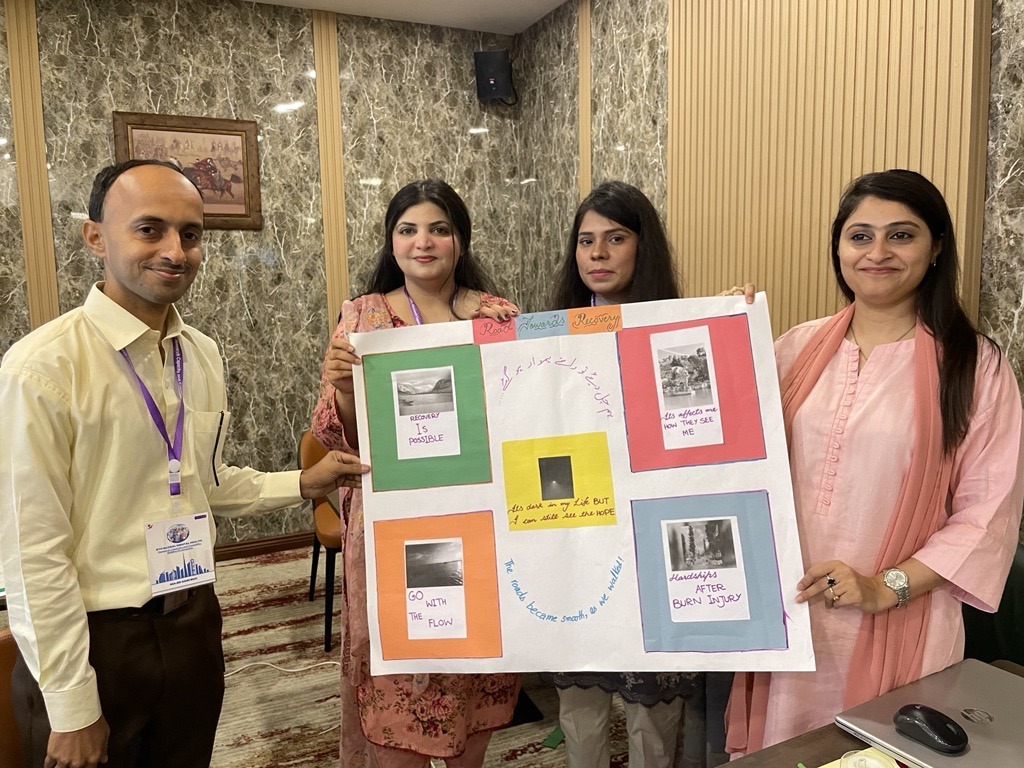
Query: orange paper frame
480, 581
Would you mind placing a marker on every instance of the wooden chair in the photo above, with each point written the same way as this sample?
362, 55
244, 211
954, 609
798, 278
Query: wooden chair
326, 534
10, 741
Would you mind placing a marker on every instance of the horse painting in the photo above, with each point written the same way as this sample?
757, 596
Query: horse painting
207, 176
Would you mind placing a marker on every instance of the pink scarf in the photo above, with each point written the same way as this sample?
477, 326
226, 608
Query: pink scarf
889, 651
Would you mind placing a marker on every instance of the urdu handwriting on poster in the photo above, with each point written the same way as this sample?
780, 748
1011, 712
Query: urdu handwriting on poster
604, 488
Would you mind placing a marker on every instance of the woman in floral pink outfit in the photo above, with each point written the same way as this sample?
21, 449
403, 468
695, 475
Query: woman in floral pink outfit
425, 273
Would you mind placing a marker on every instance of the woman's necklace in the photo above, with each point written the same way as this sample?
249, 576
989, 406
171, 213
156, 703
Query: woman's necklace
418, 317
860, 349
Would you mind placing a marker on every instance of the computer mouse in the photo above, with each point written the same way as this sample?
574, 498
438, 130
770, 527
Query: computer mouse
931, 728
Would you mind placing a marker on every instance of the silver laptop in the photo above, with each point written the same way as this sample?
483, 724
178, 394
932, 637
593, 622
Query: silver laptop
987, 701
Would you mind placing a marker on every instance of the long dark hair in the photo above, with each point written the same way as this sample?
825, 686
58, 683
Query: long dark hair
654, 275
468, 274
937, 297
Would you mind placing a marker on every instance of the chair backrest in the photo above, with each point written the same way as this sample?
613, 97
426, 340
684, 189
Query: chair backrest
10, 741
310, 452
992, 636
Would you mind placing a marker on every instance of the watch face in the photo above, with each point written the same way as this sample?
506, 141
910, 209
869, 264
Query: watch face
895, 578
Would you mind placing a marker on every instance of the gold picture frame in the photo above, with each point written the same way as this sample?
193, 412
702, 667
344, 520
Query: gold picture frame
220, 156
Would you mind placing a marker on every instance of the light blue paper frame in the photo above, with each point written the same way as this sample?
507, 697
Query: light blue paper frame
766, 627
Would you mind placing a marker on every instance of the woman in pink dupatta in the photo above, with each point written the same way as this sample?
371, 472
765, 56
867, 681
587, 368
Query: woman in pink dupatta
426, 273
904, 427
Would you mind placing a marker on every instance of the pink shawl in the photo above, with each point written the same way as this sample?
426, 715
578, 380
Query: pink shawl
890, 645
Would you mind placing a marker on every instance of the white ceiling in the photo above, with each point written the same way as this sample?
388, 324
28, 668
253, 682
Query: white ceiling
506, 17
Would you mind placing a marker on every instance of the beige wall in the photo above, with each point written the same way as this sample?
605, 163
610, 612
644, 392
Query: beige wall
776, 104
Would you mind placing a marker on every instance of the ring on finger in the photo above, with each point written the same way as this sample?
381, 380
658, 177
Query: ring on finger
833, 598
830, 581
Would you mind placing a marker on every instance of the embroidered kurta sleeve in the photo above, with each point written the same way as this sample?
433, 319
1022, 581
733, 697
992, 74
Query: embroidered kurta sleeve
974, 549
327, 426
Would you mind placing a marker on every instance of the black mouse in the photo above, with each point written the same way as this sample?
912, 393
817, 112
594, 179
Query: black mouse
931, 728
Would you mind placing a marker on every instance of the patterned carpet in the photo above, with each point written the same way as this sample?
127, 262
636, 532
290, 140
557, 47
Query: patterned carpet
274, 718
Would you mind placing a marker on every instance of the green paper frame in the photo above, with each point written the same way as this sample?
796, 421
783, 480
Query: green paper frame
472, 465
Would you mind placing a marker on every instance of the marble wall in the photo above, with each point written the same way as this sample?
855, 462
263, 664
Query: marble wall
1001, 303
548, 139
13, 296
260, 293
629, 94
408, 103
407, 114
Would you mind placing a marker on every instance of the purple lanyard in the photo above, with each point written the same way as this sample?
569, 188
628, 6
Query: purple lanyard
412, 305
593, 299
173, 449
416, 310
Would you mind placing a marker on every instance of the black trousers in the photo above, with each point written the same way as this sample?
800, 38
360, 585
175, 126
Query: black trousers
161, 686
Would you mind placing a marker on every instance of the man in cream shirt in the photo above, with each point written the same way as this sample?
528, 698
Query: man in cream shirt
114, 415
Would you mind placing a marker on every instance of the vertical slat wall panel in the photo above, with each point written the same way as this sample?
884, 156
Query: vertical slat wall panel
332, 170
775, 105
33, 188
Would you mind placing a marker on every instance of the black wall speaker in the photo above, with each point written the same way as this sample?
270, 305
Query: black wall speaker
493, 74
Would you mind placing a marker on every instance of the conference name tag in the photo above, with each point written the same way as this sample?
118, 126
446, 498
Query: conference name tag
179, 552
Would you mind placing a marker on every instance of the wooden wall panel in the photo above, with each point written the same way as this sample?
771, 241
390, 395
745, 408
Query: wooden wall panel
332, 171
33, 187
775, 105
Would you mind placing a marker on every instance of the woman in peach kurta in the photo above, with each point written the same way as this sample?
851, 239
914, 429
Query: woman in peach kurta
847, 461
865, 417
425, 274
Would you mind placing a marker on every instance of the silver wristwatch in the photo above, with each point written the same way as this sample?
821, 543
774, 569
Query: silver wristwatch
897, 581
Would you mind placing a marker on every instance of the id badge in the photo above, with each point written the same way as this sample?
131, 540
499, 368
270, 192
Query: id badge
179, 552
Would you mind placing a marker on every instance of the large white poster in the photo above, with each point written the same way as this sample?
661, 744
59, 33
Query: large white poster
598, 489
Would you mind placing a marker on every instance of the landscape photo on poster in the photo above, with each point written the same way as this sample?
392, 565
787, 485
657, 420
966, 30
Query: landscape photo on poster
434, 588
426, 422
595, 490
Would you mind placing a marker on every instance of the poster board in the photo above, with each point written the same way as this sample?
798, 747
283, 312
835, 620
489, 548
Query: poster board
595, 489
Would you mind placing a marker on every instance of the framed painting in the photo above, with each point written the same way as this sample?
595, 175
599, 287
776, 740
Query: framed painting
219, 155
